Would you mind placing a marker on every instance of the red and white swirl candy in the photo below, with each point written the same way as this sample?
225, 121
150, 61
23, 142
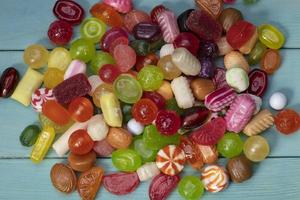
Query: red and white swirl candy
39, 97
214, 178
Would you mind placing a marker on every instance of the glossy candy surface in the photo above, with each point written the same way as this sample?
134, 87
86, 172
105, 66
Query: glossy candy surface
135, 17
168, 25
240, 169
36, 56
60, 32
103, 148
202, 87
144, 111
150, 77
55, 112
194, 117
156, 12
119, 138
230, 145
107, 14
270, 36
168, 68
188, 41
142, 61
237, 78
111, 109
81, 109
39, 97
75, 67
148, 155
147, 171
167, 122
182, 19
141, 47
101, 89
93, 29
126, 160
190, 188
68, 11
287, 121
257, 53
29, 135
125, 57
229, 17
99, 60
53, 77
82, 49
8, 82
147, 31
214, 178
45, 121
80, 142
271, 61
192, 153
122, 6
112, 35
108, 73
82, 163
256, 148
258, 82
207, 68
59, 58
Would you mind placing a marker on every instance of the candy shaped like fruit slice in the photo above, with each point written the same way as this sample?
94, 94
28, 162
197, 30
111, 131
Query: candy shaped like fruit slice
258, 82
68, 11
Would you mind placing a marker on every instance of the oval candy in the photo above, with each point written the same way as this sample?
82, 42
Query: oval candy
258, 82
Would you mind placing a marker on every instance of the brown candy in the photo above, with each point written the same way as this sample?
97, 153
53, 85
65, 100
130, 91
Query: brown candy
119, 138
239, 168
209, 153
82, 163
236, 59
228, 17
63, 178
202, 87
213, 7
89, 183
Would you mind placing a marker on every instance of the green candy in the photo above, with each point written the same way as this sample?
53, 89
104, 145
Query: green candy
126, 160
237, 78
172, 105
230, 145
156, 46
128, 89
44, 121
29, 135
271, 36
141, 47
150, 77
126, 111
190, 188
139, 146
101, 58
82, 49
93, 29
257, 53
155, 141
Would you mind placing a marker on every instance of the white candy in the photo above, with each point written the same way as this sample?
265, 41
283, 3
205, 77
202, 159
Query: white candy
166, 50
75, 67
94, 81
135, 127
237, 78
97, 128
258, 102
278, 101
182, 92
147, 171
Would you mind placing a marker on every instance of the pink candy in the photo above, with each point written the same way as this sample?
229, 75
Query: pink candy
39, 97
169, 27
219, 78
240, 113
122, 6
220, 98
75, 67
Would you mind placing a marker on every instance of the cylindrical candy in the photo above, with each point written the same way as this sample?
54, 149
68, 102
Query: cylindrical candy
75, 67
182, 92
238, 79
147, 171
111, 109
39, 97
168, 24
56, 112
214, 178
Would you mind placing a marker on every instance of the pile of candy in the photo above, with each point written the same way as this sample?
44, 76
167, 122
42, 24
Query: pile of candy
154, 100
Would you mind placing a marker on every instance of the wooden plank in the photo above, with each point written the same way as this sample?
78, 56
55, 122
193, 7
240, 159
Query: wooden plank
17, 116
26, 22
273, 179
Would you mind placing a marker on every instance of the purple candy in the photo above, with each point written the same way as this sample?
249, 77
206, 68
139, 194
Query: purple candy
207, 68
208, 49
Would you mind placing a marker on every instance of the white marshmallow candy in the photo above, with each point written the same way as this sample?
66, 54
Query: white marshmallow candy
97, 128
147, 171
135, 127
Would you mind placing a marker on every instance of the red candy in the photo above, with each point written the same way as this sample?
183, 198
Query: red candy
188, 41
192, 153
8, 81
110, 36
108, 73
258, 80
240, 33
55, 112
156, 11
60, 32
210, 133
144, 111
287, 121
125, 57
167, 122
195, 117
156, 98
80, 142
219, 78
121, 183
68, 11
39, 97
122, 6
141, 61
162, 185
134, 17
81, 109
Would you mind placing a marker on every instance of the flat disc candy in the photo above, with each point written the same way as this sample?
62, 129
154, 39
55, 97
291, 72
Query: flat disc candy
210, 133
68, 11
258, 82
128, 89
214, 178
287, 121
170, 160
39, 97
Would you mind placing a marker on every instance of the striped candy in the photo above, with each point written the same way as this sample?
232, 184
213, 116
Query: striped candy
214, 178
170, 160
39, 97
169, 27
219, 78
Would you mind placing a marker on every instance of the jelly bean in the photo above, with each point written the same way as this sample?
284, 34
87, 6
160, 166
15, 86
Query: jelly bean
210, 30
125, 57
81, 109
103, 148
68, 11
240, 169
239, 33
188, 41
112, 35
236, 59
147, 155
141, 47
28, 84
202, 87
165, 90
126, 160
229, 17
156, 12
258, 82
80, 142
182, 19
29, 135
42, 145
59, 58
182, 92
122, 6
101, 89
97, 128
107, 14
111, 109
108, 73
147, 171
135, 17
190, 187
36, 56
214, 178
237, 78
39, 97
155, 141
93, 29
166, 50
100, 59
230, 145
146, 31
64, 92
257, 53
214, 8
162, 185
8, 82
207, 68
82, 163
287, 121
278, 101
53, 77
249, 45
135, 127
45, 121
271, 36
94, 81
142, 61
83, 49
60, 32
75, 67
150, 78
256, 148
119, 138
195, 117
144, 111
271, 61
167, 122
156, 98
223, 46
168, 25
89, 183
121, 183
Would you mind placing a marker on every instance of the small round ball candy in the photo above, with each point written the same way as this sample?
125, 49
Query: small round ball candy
60, 32
82, 49
256, 148
190, 187
278, 101
237, 78
135, 127
80, 142
230, 145
36, 56
150, 77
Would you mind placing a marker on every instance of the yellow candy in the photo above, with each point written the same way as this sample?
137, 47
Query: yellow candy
111, 109
29, 83
53, 77
36, 56
42, 144
59, 58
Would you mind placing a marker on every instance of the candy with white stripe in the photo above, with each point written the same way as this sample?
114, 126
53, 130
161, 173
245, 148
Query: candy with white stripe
147, 171
169, 27
214, 178
75, 67
135, 127
39, 97
182, 92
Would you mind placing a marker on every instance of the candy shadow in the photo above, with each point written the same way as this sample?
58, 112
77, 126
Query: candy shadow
86, 6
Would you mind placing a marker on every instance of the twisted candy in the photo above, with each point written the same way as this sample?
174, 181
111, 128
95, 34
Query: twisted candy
214, 178
39, 97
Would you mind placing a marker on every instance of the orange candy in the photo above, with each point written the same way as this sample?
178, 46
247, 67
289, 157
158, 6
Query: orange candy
56, 112
287, 121
107, 14
270, 61
81, 109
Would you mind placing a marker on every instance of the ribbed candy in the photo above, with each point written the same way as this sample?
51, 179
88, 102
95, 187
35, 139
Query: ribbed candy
122, 6
182, 92
39, 97
168, 24
214, 178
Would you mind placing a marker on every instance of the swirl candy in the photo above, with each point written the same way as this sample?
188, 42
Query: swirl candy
240, 113
168, 24
214, 178
170, 160
39, 97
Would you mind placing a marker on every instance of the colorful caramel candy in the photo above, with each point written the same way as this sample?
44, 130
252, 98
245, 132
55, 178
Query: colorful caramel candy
81, 109
83, 49
192, 153
119, 138
55, 112
111, 109
147, 31
270, 36
202, 87
170, 160
238, 79
39, 97
271, 61
8, 82
107, 14
168, 25
82, 163
223, 46
214, 178
93, 29
239, 169
189, 41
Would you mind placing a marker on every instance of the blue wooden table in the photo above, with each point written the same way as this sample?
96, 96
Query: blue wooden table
26, 22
